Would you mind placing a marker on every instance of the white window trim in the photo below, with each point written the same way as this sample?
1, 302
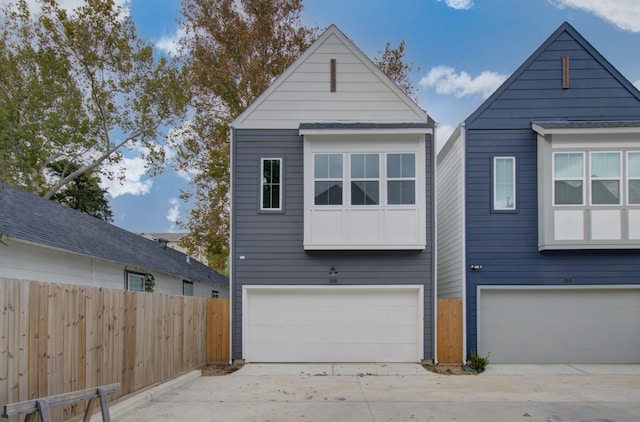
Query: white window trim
619, 178
400, 178
621, 217
187, 283
342, 227
554, 179
495, 184
130, 273
625, 171
262, 184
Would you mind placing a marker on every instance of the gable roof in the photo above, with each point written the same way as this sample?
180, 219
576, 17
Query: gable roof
31, 218
322, 49
562, 29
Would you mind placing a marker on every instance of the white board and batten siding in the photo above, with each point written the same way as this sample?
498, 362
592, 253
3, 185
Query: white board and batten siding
556, 324
302, 93
450, 211
333, 323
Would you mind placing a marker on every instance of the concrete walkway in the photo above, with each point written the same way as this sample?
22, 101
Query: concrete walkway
394, 392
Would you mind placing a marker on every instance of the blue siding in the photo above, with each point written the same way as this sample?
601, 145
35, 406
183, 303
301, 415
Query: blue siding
505, 244
272, 243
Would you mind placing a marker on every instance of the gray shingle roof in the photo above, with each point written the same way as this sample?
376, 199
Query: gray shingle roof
29, 217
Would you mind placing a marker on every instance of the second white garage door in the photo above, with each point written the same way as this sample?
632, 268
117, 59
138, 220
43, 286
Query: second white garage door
332, 323
559, 325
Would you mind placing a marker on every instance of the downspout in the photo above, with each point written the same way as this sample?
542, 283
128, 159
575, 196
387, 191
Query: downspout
463, 140
231, 252
434, 263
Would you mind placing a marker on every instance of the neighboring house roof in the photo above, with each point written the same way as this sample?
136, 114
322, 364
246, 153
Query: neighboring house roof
571, 31
171, 237
307, 77
31, 218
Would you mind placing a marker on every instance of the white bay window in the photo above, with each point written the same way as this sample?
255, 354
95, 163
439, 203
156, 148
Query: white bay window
365, 191
589, 185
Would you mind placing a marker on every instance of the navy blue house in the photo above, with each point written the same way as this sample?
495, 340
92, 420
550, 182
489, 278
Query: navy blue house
539, 212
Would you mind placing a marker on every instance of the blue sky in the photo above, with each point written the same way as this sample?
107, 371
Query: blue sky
461, 51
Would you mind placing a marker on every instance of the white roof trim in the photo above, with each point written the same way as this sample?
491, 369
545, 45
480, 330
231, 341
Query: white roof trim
331, 30
366, 131
582, 131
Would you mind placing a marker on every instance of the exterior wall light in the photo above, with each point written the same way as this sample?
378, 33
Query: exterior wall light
332, 275
476, 267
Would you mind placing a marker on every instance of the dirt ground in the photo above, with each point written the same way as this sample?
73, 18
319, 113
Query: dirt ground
444, 369
448, 369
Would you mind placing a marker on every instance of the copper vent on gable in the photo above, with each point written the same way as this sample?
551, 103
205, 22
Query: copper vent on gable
333, 75
565, 72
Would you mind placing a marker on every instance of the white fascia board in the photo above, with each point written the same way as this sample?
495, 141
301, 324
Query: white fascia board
583, 131
366, 131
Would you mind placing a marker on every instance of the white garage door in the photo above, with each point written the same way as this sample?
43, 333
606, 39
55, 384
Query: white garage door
332, 324
568, 325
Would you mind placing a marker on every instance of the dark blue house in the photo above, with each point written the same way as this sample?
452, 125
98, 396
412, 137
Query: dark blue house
539, 212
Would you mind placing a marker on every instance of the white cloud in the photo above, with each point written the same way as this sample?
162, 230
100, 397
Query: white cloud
169, 44
459, 4
133, 170
445, 80
174, 211
623, 13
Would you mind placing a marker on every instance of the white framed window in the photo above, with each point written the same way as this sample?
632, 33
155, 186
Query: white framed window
135, 282
327, 174
365, 179
504, 183
187, 288
568, 178
633, 178
605, 174
401, 179
271, 184
365, 191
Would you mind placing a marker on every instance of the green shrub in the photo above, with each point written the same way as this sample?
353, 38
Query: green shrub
478, 362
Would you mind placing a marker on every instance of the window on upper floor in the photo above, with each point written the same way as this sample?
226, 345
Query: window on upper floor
271, 184
504, 183
589, 186
633, 178
365, 192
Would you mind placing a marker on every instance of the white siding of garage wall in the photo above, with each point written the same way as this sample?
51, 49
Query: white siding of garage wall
450, 193
25, 261
302, 93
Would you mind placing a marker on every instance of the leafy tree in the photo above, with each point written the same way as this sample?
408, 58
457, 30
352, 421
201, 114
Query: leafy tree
79, 87
233, 51
83, 193
392, 63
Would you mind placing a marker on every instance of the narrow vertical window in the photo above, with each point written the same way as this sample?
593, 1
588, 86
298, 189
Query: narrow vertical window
568, 178
401, 179
605, 178
633, 178
365, 175
504, 183
271, 184
327, 174
187, 288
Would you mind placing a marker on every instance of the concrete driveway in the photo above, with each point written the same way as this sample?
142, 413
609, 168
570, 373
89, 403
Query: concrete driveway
394, 392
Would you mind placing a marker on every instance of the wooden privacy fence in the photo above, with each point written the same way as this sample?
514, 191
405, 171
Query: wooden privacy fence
60, 338
450, 330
